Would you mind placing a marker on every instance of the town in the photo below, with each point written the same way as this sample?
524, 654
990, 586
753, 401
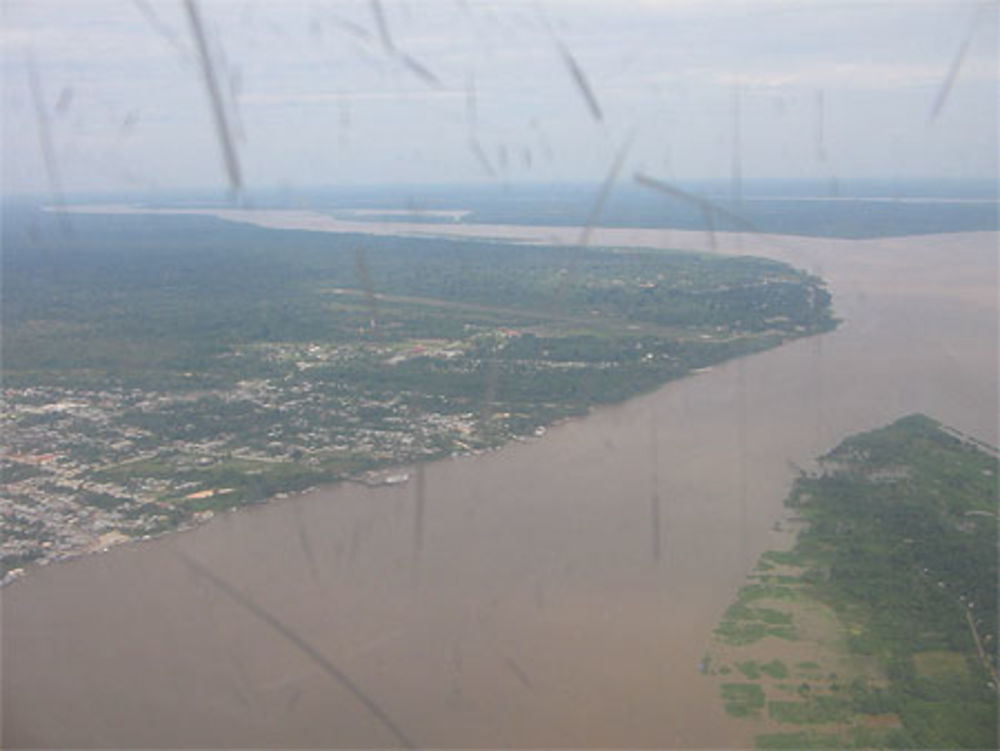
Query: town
148, 391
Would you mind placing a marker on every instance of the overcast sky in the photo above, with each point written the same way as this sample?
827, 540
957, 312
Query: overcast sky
433, 91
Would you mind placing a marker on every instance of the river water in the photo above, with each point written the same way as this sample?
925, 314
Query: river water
558, 593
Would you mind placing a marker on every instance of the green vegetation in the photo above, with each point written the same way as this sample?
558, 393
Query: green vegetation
754, 670
799, 741
819, 710
743, 699
909, 556
783, 557
147, 300
775, 668
901, 548
743, 624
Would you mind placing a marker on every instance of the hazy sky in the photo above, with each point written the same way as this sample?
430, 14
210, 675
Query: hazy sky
418, 91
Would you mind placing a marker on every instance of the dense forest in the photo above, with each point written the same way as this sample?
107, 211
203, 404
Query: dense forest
146, 297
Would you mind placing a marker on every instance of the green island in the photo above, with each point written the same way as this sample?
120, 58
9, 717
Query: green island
160, 369
878, 629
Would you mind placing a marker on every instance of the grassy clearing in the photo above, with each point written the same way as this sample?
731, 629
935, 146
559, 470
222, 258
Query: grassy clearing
941, 665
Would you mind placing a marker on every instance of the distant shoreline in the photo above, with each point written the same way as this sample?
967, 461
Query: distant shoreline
843, 257
551, 218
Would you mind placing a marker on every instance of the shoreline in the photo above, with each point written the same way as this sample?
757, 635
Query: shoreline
289, 220
538, 554
381, 476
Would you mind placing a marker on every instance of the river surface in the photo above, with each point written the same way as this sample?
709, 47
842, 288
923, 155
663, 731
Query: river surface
558, 593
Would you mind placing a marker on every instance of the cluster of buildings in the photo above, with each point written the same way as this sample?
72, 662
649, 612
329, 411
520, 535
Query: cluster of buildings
83, 468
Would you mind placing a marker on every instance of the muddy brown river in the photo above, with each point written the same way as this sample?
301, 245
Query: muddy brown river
565, 589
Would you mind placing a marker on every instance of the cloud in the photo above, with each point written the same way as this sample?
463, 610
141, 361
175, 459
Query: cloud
278, 99
299, 66
859, 76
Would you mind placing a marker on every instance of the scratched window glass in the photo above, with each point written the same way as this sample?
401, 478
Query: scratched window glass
486, 374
